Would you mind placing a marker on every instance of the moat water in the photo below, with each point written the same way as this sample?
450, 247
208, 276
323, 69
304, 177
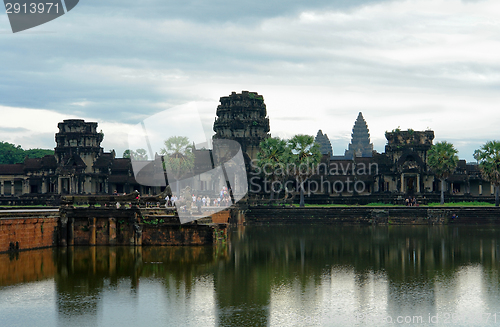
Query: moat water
265, 276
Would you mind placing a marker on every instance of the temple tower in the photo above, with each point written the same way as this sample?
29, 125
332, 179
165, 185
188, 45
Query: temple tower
242, 117
78, 147
360, 145
325, 147
76, 138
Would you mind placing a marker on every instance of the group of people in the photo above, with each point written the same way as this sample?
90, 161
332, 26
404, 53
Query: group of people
170, 201
411, 201
224, 199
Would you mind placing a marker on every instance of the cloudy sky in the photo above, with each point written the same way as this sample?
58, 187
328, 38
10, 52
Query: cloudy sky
415, 64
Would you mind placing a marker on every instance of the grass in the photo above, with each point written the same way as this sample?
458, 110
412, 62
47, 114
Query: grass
323, 205
381, 204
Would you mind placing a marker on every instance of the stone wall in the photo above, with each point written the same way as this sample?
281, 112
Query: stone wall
28, 231
177, 235
372, 215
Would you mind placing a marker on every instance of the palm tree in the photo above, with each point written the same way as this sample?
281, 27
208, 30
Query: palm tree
304, 154
272, 159
442, 159
488, 157
179, 157
139, 154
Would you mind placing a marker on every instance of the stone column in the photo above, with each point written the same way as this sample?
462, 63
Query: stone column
480, 189
112, 231
1, 188
12, 189
58, 191
71, 231
492, 189
451, 188
402, 183
418, 183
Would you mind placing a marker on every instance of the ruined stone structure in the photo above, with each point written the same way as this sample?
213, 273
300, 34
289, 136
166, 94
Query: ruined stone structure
407, 152
242, 117
360, 145
79, 166
325, 147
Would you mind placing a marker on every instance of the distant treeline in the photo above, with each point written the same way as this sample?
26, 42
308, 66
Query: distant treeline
11, 154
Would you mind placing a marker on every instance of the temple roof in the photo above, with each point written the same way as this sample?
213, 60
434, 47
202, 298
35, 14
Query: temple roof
325, 147
360, 145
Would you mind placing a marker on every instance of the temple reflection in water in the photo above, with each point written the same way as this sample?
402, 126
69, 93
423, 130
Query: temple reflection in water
263, 276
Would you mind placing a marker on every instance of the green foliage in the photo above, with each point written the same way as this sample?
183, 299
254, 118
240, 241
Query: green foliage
442, 159
179, 156
11, 154
297, 157
273, 157
381, 204
127, 153
488, 157
253, 96
38, 153
139, 154
305, 157
153, 221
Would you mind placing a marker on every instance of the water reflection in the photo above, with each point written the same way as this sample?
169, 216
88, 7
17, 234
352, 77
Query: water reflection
274, 275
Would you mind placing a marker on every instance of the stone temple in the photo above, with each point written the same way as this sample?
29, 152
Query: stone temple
81, 166
325, 147
242, 117
360, 145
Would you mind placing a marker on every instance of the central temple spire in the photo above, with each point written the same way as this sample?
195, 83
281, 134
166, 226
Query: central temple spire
360, 145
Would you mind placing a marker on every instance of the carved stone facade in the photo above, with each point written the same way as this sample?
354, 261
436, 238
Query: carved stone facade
325, 147
407, 152
242, 117
360, 145
79, 166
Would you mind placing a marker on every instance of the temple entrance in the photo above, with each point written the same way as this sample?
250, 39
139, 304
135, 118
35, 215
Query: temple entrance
410, 185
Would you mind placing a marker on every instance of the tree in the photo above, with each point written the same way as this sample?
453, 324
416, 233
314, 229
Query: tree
179, 157
139, 154
128, 153
442, 159
272, 159
305, 155
38, 153
488, 157
10, 154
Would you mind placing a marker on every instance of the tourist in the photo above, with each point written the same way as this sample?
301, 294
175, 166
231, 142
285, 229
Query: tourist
198, 204
208, 201
204, 201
